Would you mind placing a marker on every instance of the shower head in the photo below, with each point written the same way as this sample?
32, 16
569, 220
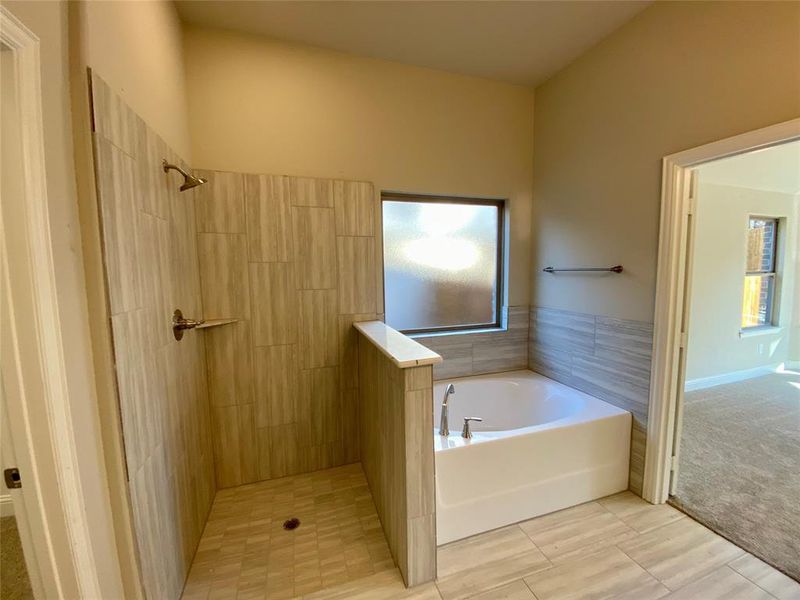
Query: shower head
189, 181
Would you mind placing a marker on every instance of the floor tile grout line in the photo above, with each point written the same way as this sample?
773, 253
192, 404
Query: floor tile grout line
646, 570
527, 585
767, 592
755, 583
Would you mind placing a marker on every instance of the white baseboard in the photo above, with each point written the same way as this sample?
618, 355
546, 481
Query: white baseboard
707, 382
6, 506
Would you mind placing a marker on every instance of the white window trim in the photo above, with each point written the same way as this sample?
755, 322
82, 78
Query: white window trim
748, 332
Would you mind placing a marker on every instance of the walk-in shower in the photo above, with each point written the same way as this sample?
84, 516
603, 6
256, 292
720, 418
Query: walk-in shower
189, 181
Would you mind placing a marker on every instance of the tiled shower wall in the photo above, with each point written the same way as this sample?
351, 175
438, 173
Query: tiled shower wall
605, 357
151, 268
295, 260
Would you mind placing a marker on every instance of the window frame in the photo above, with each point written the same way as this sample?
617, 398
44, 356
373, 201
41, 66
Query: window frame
772, 274
500, 205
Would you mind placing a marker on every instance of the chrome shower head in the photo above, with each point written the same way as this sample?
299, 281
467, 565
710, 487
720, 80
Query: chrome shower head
189, 180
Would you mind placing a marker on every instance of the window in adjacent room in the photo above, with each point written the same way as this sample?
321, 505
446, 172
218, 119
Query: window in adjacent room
442, 261
760, 279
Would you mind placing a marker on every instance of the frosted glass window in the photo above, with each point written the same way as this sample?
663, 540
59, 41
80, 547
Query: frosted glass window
441, 263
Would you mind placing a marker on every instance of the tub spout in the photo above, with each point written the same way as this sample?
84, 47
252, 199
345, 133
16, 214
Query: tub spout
443, 421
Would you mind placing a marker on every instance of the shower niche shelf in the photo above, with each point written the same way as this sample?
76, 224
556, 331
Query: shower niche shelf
215, 323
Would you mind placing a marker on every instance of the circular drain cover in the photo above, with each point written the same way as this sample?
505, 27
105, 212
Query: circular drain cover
293, 523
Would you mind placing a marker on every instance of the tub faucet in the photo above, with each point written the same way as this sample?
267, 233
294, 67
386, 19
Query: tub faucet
466, 433
443, 424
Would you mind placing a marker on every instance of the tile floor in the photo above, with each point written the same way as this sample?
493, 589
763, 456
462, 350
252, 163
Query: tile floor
619, 547
246, 553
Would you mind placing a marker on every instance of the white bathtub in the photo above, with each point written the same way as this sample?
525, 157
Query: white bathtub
541, 447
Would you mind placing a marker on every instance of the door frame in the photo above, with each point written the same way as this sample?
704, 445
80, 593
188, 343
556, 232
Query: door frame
670, 322
48, 443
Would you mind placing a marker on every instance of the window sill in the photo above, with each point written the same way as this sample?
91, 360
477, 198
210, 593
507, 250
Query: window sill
462, 332
756, 331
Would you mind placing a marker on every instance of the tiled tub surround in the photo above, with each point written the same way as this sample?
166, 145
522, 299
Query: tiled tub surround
396, 421
541, 447
482, 352
605, 357
150, 259
295, 260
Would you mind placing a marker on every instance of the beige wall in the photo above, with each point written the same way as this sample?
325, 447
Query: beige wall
678, 75
794, 335
136, 47
715, 346
259, 106
48, 20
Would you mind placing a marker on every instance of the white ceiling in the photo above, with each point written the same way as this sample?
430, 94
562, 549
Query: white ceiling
774, 169
521, 42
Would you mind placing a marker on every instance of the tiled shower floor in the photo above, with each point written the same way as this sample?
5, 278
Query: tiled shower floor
246, 553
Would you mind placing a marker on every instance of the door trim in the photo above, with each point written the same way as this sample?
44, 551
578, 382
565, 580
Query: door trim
671, 292
65, 538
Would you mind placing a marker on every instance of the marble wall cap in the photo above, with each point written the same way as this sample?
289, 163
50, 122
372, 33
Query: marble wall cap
401, 349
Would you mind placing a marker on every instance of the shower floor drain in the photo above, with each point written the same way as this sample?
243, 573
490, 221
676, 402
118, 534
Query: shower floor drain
293, 523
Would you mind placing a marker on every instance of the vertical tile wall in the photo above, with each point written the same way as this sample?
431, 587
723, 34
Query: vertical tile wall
607, 358
151, 269
295, 260
397, 456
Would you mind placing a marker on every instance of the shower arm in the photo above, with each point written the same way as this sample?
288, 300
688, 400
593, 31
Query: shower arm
189, 181
167, 166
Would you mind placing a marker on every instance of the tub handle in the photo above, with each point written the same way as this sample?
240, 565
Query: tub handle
466, 433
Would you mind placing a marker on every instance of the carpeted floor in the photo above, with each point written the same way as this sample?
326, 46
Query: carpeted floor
740, 465
14, 583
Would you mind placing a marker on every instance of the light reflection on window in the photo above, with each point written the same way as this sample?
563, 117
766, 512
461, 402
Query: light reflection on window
440, 263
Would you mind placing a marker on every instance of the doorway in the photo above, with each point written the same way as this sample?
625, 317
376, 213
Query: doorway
737, 436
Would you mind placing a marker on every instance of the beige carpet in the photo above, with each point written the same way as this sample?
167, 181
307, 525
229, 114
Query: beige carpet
740, 465
14, 583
